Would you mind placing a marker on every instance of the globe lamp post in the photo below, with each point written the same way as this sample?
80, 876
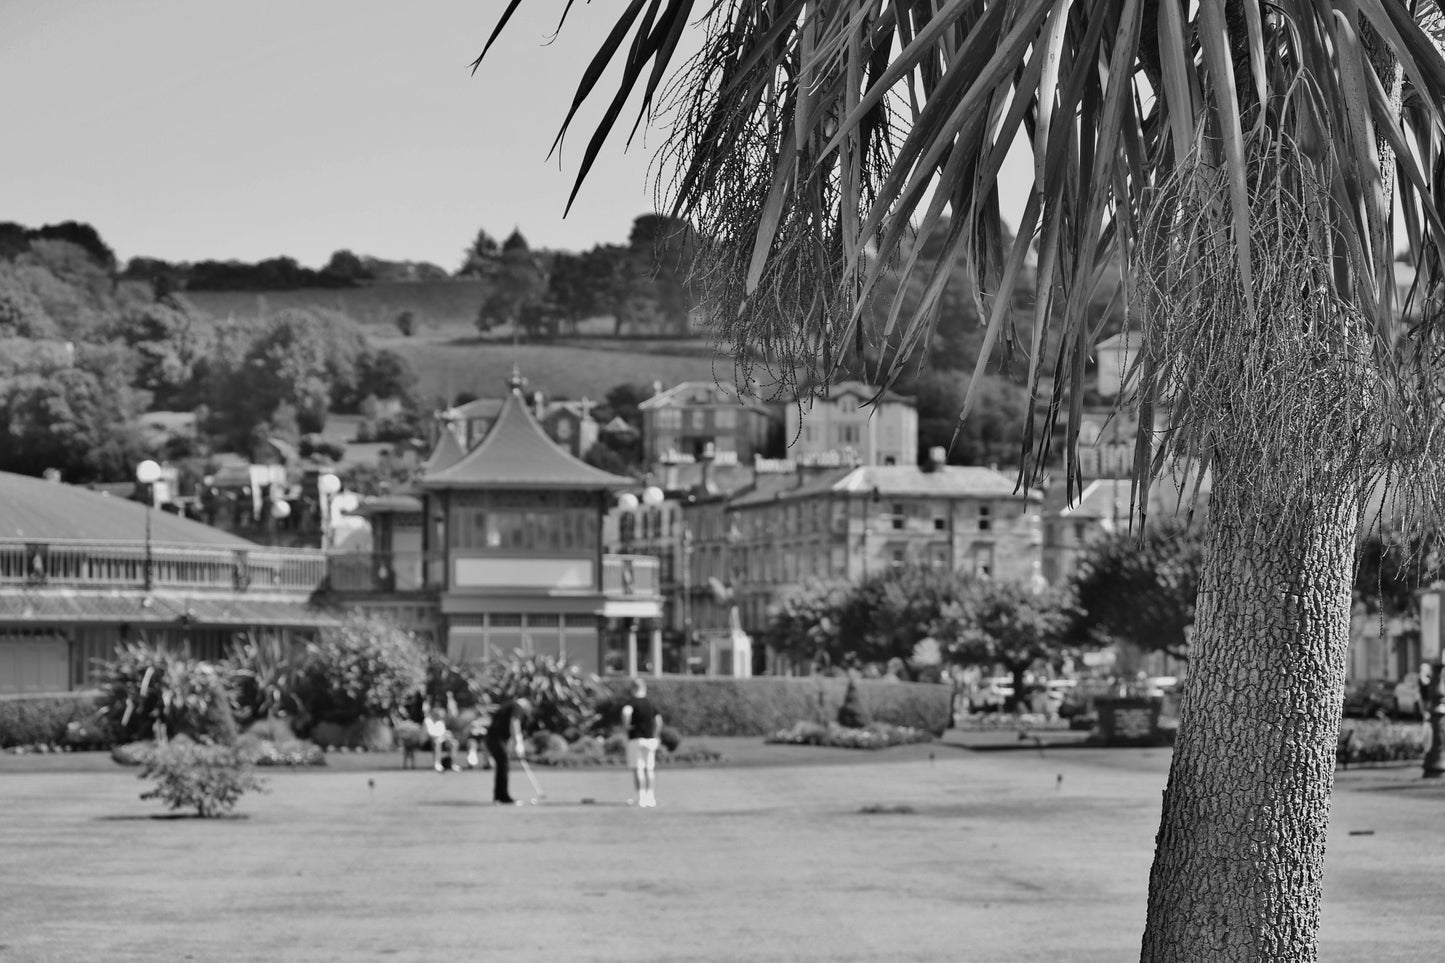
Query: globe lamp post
148, 473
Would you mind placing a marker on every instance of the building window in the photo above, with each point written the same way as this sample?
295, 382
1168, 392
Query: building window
698, 418
898, 516
847, 434
725, 418
1080, 530
667, 418
847, 403
898, 558
940, 524
985, 518
983, 560
938, 557
564, 429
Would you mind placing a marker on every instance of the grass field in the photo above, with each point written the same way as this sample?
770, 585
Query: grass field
450, 356
921, 853
482, 368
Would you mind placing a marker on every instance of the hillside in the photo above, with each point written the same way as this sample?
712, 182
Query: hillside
438, 306
446, 368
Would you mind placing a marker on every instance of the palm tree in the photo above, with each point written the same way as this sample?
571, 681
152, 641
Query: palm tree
1252, 164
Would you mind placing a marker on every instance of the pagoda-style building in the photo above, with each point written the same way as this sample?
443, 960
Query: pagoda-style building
499, 548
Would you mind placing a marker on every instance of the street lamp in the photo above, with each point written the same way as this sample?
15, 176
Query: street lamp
327, 485
148, 473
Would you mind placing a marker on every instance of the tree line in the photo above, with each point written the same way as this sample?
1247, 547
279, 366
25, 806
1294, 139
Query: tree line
82, 357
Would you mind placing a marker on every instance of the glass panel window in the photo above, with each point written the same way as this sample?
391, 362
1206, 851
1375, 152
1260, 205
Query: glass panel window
985, 518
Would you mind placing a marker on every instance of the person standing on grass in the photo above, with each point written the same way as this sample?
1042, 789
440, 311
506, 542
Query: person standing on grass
505, 730
644, 729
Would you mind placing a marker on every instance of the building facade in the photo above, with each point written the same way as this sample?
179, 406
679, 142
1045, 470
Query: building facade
81, 572
853, 424
500, 549
682, 422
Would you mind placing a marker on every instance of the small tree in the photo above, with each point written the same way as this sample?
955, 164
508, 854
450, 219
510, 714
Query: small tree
1139, 591
1009, 625
853, 714
149, 692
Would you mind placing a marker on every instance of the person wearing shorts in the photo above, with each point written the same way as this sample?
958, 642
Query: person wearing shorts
644, 727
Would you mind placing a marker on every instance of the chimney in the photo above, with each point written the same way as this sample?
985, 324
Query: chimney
539, 406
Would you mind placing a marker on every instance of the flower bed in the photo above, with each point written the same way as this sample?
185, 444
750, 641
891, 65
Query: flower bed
878, 735
1374, 742
612, 751
992, 721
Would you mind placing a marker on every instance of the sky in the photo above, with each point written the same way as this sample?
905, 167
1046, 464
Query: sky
248, 129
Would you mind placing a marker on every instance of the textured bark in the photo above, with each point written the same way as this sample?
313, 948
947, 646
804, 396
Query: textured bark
1239, 858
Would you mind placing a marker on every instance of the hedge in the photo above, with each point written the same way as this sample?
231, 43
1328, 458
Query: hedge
46, 718
762, 705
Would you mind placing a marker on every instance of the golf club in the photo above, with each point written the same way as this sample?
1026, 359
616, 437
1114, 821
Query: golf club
533, 780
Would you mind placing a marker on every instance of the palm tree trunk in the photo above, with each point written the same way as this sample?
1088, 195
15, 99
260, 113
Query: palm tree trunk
1239, 859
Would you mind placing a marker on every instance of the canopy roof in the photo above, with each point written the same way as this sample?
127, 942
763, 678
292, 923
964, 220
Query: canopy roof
516, 453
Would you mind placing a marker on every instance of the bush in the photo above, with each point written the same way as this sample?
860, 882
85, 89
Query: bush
265, 675
763, 705
147, 690
852, 714
364, 667
69, 719
209, 779
563, 697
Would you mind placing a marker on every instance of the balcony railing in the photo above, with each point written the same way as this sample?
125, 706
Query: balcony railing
626, 575
622, 575
385, 571
78, 563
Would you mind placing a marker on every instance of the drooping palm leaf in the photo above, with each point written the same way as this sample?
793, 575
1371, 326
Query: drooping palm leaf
818, 139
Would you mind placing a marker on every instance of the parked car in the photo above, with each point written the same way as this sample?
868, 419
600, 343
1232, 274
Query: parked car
1406, 696
1370, 697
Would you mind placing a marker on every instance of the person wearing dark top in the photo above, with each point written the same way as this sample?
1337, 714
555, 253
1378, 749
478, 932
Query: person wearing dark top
644, 726
506, 728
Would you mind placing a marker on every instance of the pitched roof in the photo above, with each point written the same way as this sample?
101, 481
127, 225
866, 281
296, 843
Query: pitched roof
39, 509
701, 393
517, 453
864, 393
448, 452
887, 480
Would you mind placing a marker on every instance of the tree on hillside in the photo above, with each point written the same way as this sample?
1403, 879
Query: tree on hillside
990, 435
70, 419
1140, 590
481, 257
664, 248
1250, 162
519, 282
1007, 625
166, 342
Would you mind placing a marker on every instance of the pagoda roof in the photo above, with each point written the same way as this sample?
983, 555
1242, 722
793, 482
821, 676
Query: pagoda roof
448, 452
516, 453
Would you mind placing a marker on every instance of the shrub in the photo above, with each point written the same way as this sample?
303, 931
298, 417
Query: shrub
146, 690
763, 705
265, 674
853, 714
563, 697
364, 667
670, 738
58, 719
209, 779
